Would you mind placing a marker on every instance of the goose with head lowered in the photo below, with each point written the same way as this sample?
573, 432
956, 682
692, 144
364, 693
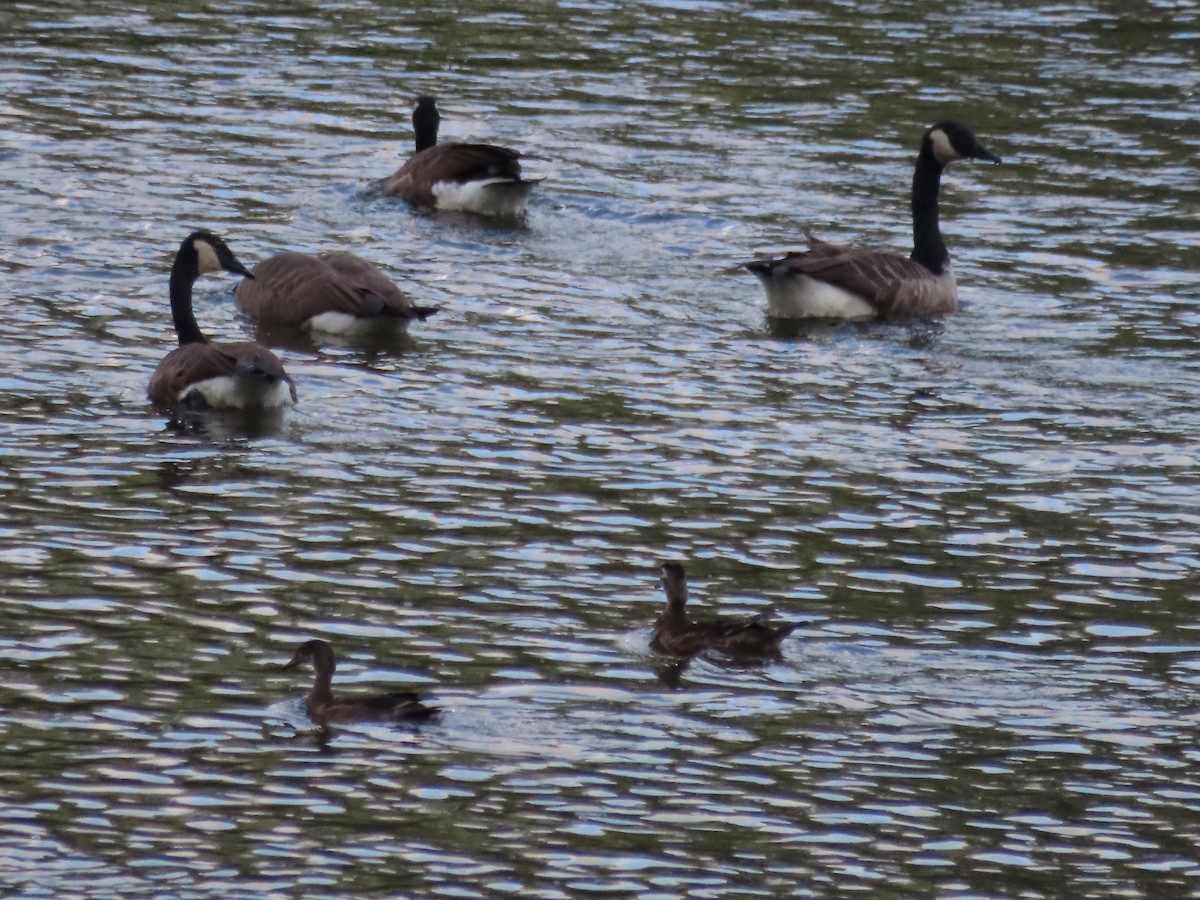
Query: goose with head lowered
837, 281
678, 635
477, 178
200, 374
335, 293
323, 707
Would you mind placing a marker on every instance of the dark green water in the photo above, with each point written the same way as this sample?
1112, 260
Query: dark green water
988, 526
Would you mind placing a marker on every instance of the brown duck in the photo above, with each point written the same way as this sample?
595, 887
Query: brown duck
676, 634
323, 707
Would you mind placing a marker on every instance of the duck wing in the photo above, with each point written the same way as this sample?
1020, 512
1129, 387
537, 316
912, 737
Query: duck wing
757, 635
747, 635
401, 706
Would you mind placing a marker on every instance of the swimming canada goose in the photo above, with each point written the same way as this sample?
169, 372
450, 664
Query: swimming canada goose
677, 635
478, 178
323, 707
339, 293
833, 280
198, 374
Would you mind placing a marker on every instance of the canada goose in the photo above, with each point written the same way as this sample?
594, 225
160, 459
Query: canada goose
833, 280
478, 178
323, 707
339, 293
677, 635
198, 374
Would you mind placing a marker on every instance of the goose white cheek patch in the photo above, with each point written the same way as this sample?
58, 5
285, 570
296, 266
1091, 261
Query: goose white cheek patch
206, 257
943, 151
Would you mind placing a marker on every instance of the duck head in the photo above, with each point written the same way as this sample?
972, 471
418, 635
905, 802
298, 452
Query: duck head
317, 653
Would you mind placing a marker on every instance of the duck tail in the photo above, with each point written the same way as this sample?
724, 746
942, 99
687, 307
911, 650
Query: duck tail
424, 714
782, 631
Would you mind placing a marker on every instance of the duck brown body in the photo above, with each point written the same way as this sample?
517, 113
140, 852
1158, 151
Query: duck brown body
678, 635
324, 708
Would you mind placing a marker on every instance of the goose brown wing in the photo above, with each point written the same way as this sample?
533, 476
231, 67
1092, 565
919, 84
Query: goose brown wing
192, 363
882, 279
255, 359
186, 365
464, 162
414, 180
291, 288
376, 293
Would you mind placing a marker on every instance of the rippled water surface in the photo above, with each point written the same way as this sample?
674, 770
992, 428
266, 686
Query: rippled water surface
987, 526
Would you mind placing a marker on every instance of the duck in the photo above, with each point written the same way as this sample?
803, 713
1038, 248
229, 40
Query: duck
201, 374
333, 292
477, 178
838, 281
677, 635
323, 707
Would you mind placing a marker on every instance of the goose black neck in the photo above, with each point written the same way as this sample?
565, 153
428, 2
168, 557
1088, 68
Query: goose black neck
183, 276
928, 247
425, 127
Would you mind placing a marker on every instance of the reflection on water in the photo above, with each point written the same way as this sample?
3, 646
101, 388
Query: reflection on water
986, 524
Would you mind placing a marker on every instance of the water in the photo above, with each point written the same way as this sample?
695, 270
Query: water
987, 526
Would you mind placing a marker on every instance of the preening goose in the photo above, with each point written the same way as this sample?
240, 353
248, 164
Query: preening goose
339, 293
677, 635
323, 707
833, 280
199, 374
477, 178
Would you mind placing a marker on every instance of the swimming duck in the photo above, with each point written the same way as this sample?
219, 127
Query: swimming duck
337, 293
838, 281
676, 635
199, 374
323, 707
478, 178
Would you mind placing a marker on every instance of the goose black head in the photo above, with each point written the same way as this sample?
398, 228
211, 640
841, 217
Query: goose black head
949, 140
425, 119
318, 653
212, 254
